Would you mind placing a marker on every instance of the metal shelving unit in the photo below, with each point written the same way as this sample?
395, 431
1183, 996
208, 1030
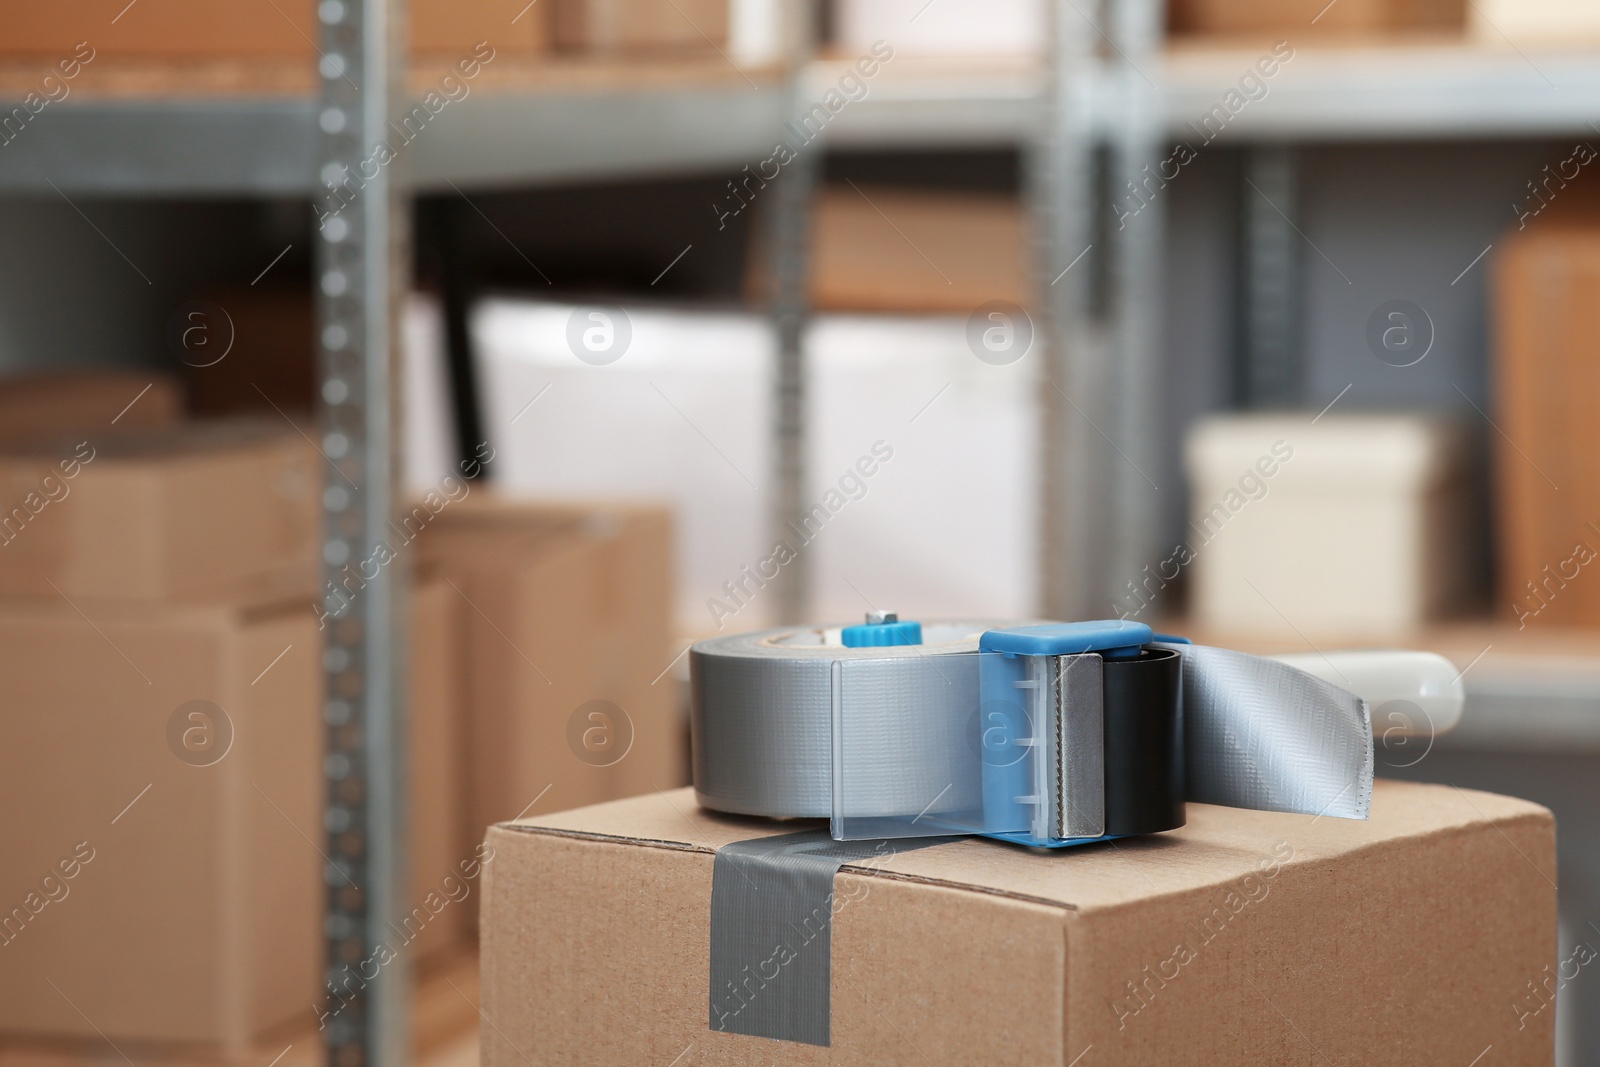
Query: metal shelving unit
1119, 98
191, 144
362, 268
263, 146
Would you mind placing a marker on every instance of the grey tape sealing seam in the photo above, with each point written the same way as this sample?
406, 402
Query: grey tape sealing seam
772, 908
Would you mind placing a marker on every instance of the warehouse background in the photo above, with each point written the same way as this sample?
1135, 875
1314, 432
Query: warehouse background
1427, 160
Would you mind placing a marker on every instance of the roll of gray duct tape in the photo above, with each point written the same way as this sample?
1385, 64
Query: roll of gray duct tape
762, 719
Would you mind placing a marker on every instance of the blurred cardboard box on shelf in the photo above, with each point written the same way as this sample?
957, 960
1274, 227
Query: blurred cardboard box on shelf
1354, 524
639, 25
191, 510
952, 27
1195, 946
227, 29
896, 249
565, 614
434, 917
1546, 294
162, 763
1296, 18
457, 27
91, 402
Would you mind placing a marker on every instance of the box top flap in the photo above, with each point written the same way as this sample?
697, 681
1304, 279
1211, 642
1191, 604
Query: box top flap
1219, 845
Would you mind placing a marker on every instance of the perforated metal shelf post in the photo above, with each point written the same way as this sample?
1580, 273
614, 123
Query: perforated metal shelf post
362, 256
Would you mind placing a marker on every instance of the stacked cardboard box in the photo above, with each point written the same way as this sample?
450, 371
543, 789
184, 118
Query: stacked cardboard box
228, 30
565, 631
190, 510
157, 624
877, 248
1546, 313
164, 658
225, 29
640, 25
163, 680
433, 917
161, 767
49, 404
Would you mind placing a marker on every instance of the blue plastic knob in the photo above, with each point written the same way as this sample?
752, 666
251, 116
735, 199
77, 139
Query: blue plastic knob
881, 630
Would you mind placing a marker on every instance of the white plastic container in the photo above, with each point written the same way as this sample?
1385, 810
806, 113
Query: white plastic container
921, 459
1534, 21
1350, 525
942, 28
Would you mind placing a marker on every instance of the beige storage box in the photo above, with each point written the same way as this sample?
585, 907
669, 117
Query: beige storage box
1352, 525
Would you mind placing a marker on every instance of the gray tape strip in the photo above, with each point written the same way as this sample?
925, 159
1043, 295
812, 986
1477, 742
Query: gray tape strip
772, 907
1261, 734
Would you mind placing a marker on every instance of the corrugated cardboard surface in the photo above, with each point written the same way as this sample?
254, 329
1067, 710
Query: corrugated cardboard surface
197, 919
1408, 938
560, 605
1546, 285
193, 510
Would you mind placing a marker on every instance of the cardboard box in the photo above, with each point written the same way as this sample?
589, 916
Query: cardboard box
229, 29
880, 249
438, 771
1546, 294
1294, 18
640, 25
90, 402
194, 510
161, 766
1360, 524
456, 27
566, 639
1245, 937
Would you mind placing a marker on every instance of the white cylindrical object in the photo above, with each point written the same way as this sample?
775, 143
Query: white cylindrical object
1427, 681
